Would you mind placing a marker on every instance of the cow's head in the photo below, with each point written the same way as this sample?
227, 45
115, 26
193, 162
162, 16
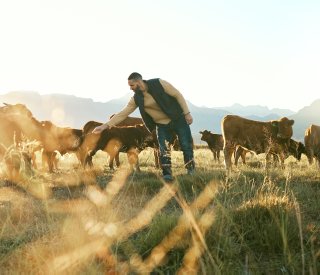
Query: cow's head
282, 128
205, 135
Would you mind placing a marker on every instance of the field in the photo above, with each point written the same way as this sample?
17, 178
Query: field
76, 221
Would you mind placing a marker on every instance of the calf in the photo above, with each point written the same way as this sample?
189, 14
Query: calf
58, 139
215, 143
129, 121
129, 139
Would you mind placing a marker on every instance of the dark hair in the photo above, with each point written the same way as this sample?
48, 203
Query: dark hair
135, 76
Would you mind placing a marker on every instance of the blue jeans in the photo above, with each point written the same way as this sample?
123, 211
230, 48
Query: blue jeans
165, 135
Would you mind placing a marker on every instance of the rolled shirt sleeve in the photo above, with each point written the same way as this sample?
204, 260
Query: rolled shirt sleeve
170, 90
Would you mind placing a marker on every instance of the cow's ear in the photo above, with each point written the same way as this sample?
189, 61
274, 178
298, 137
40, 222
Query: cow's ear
291, 122
274, 123
201, 132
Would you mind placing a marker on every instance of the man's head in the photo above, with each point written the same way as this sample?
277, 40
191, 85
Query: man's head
135, 82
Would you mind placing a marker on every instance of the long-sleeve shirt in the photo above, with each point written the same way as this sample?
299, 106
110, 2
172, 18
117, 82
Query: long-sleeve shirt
151, 107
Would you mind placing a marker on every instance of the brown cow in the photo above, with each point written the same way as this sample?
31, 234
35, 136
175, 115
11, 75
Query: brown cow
58, 139
129, 121
269, 137
312, 143
215, 143
51, 137
129, 139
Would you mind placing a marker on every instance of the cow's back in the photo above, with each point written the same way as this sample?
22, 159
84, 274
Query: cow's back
245, 132
89, 126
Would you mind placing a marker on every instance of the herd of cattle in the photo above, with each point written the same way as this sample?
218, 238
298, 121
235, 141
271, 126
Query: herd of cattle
239, 136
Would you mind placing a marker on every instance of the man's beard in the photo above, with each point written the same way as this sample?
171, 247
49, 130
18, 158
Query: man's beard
137, 89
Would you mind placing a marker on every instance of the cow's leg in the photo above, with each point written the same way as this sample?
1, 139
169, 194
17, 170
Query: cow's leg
237, 154
47, 158
268, 159
228, 151
218, 155
282, 157
111, 159
50, 162
243, 156
44, 159
214, 155
81, 155
88, 158
117, 159
310, 155
54, 160
133, 159
34, 160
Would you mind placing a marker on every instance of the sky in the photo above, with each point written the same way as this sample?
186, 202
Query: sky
216, 53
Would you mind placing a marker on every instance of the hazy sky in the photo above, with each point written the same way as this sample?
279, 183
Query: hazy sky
215, 52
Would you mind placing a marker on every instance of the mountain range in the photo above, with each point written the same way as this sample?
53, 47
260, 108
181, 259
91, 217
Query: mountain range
73, 111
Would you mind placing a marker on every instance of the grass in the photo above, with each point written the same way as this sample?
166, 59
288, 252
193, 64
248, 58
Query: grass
99, 221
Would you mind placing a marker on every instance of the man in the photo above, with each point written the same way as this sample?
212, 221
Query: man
162, 107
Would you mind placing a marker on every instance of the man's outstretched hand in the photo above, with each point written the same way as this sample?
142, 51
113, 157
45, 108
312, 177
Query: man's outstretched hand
100, 128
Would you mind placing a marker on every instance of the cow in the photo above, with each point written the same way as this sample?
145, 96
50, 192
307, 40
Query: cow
129, 139
215, 143
270, 137
174, 143
312, 143
51, 137
129, 121
55, 139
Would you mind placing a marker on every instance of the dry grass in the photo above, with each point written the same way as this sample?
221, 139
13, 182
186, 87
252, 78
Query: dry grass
122, 222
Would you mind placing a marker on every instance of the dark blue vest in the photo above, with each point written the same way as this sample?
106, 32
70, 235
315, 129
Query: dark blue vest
168, 104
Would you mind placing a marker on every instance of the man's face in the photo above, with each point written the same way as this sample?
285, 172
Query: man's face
134, 85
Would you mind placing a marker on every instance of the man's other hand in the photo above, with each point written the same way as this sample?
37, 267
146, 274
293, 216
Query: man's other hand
189, 118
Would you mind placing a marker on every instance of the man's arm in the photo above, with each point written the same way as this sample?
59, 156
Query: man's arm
170, 90
118, 117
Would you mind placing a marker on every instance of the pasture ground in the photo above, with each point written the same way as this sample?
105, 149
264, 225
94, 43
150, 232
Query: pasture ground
97, 221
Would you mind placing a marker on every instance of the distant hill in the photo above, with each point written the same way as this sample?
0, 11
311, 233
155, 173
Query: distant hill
66, 110
305, 117
256, 110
